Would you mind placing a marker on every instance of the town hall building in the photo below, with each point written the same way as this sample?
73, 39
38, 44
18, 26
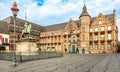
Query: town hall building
87, 35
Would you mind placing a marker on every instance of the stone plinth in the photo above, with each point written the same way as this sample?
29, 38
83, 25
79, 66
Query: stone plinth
26, 47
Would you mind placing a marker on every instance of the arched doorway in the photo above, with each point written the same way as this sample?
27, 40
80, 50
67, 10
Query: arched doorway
83, 51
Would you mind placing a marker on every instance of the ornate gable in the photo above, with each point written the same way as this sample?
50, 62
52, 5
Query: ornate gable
71, 25
100, 19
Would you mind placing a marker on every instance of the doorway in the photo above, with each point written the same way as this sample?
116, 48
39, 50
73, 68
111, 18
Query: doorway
83, 51
73, 49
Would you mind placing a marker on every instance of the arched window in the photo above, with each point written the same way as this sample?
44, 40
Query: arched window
83, 29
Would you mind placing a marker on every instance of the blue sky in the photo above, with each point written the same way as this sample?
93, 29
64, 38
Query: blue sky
48, 12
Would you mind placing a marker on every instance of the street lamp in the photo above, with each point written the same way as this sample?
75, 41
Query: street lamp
14, 10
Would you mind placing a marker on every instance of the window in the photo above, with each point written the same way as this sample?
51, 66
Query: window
78, 31
96, 29
96, 37
99, 22
2, 40
59, 39
102, 37
90, 46
73, 38
59, 47
96, 46
65, 40
83, 29
74, 32
102, 46
109, 28
109, 37
65, 32
90, 30
109, 46
102, 28
90, 37
64, 46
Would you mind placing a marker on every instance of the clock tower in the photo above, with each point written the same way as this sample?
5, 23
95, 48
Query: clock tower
84, 20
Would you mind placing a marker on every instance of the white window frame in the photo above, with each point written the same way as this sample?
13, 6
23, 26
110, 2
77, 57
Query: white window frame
90, 30
91, 46
96, 29
109, 28
100, 22
78, 31
102, 37
96, 46
96, 37
102, 28
109, 46
109, 36
102, 46
65, 32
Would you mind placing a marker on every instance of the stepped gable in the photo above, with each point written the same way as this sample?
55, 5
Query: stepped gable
110, 17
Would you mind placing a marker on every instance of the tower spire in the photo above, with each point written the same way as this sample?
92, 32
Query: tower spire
84, 11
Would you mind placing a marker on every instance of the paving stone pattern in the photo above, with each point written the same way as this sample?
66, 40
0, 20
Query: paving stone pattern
68, 63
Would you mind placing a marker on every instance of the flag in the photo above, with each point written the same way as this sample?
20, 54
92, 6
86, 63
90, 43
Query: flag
0, 39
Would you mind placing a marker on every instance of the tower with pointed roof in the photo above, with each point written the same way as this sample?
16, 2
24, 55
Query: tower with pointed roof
84, 20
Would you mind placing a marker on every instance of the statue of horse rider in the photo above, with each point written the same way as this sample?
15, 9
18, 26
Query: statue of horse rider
27, 29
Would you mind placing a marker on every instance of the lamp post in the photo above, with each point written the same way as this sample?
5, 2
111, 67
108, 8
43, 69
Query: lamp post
14, 10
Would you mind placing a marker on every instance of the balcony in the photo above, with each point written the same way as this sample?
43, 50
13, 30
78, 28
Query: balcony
102, 31
95, 32
109, 40
102, 39
6, 44
109, 30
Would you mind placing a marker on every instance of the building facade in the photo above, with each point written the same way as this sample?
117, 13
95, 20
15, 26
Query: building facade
4, 36
87, 35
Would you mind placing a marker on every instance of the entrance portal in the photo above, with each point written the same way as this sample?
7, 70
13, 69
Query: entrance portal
73, 48
83, 51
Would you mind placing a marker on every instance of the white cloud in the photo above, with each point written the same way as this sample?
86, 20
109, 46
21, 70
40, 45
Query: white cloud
56, 11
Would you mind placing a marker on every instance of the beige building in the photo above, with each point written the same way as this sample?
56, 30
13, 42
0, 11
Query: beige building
86, 35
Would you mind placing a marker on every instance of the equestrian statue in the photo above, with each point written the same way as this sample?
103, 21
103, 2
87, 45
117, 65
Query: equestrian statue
27, 29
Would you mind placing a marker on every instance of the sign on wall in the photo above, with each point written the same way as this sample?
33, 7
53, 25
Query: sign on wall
0, 39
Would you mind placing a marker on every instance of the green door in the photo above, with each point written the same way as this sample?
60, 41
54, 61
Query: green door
83, 51
73, 49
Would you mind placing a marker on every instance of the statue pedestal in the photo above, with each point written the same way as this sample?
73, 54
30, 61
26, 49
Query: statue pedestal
26, 48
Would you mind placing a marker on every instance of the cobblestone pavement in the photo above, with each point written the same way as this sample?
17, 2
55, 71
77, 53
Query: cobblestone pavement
68, 63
